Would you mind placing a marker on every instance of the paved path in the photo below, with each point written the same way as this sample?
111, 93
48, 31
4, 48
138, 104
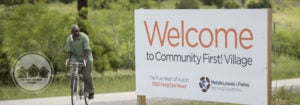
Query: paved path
287, 83
65, 100
127, 98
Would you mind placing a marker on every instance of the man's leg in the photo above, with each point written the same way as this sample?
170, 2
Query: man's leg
88, 79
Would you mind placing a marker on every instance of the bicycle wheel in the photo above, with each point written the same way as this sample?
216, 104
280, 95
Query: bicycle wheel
75, 98
87, 100
86, 97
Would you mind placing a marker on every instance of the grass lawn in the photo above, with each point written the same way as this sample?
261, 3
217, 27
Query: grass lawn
285, 67
123, 80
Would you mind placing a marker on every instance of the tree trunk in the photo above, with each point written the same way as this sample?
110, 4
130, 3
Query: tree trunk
83, 14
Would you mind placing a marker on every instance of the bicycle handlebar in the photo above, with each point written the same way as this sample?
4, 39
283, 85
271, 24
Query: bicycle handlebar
76, 63
79, 63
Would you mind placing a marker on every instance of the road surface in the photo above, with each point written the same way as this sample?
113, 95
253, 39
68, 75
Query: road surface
127, 98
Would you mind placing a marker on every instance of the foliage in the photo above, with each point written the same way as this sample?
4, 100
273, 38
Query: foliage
284, 67
259, 4
229, 4
46, 29
33, 28
286, 96
129, 4
292, 47
187, 4
14, 2
63, 1
208, 2
285, 40
219, 3
11, 2
100, 4
113, 38
243, 2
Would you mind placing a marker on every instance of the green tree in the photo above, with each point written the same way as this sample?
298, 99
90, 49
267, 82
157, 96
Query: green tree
287, 42
259, 4
243, 2
219, 3
112, 31
208, 2
65, 1
34, 28
187, 4
129, 4
230, 4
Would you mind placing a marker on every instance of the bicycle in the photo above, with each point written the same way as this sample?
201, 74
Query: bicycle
77, 84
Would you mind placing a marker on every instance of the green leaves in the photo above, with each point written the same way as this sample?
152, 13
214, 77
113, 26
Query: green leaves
33, 28
43, 28
187, 4
112, 37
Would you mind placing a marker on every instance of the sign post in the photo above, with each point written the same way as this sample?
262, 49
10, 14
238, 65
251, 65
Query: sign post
141, 100
269, 82
209, 55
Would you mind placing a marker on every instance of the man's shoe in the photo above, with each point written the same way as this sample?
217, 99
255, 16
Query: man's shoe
91, 96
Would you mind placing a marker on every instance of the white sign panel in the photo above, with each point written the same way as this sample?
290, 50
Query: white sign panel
210, 55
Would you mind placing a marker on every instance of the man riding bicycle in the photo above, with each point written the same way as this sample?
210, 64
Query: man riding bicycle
79, 50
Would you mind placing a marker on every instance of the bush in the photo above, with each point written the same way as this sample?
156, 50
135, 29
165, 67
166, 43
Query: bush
129, 4
14, 2
287, 42
187, 4
65, 1
38, 28
259, 4
34, 28
208, 2
284, 67
286, 96
113, 38
231, 5
219, 3
222, 3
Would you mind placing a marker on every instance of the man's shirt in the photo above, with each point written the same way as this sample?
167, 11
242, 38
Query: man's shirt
78, 46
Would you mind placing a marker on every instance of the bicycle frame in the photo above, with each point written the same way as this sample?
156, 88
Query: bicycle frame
77, 88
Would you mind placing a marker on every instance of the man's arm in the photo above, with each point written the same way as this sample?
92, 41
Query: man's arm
69, 51
86, 54
69, 55
86, 47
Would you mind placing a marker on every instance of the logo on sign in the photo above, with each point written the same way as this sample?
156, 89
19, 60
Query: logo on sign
32, 72
204, 84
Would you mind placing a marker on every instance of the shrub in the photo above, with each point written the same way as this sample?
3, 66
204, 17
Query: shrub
208, 2
34, 28
187, 4
219, 3
231, 5
259, 4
